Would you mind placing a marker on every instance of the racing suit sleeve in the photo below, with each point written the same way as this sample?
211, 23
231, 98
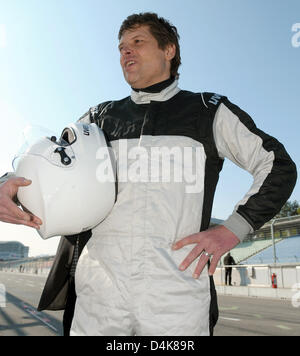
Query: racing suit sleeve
238, 139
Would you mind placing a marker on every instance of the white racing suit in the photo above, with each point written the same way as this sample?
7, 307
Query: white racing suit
127, 278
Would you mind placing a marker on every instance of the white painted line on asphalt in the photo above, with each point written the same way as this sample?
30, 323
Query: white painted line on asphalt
229, 308
231, 319
283, 327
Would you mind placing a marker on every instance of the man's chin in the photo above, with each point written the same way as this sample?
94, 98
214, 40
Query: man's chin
133, 83
130, 79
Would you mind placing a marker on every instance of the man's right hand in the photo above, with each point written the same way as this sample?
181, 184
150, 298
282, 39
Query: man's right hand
9, 211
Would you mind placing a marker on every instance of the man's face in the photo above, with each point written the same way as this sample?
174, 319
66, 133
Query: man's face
142, 61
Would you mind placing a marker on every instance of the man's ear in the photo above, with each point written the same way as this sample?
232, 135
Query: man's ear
170, 52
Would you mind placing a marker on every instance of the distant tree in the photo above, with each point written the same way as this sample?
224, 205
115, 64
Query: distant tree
289, 209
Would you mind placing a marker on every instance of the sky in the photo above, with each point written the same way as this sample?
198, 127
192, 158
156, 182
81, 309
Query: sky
60, 57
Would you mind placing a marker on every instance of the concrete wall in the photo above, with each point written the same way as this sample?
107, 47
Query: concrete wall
260, 275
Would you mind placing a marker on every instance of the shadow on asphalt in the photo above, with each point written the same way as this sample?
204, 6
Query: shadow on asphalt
29, 313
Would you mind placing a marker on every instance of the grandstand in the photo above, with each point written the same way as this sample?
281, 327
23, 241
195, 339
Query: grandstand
246, 250
287, 251
258, 247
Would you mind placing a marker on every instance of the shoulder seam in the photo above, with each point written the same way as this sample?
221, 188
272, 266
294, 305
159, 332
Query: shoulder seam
105, 106
203, 101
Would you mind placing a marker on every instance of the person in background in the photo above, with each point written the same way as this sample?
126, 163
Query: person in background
228, 261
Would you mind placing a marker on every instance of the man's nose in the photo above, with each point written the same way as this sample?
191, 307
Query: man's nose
126, 50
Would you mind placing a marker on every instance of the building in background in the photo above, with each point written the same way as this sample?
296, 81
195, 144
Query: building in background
13, 250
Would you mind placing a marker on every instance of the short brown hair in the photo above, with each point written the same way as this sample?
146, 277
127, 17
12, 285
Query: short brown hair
162, 30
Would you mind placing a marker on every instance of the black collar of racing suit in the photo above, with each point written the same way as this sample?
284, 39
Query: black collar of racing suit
158, 87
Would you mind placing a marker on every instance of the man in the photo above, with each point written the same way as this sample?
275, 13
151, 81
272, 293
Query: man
228, 261
138, 274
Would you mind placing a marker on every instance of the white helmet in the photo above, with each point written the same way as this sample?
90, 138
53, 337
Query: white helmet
73, 184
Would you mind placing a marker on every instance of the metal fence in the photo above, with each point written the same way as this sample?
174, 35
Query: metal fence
280, 236
277, 228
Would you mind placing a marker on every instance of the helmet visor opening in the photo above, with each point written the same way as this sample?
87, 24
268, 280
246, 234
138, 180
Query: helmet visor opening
68, 135
38, 141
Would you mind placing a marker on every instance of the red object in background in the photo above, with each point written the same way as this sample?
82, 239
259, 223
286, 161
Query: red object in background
274, 280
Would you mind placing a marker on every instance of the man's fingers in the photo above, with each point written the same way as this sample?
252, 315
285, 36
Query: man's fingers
31, 224
17, 181
15, 212
9, 211
21, 181
12, 185
191, 239
10, 220
36, 220
196, 251
203, 262
33, 217
28, 217
200, 265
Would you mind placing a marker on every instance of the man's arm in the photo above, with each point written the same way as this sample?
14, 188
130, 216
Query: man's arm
274, 173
